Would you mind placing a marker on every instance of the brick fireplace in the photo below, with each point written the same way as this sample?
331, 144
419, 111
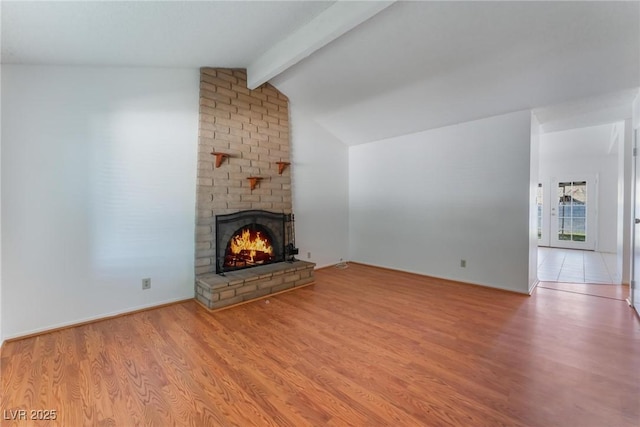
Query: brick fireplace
248, 133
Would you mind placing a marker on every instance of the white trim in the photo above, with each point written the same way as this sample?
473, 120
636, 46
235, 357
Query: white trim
533, 286
104, 316
633, 285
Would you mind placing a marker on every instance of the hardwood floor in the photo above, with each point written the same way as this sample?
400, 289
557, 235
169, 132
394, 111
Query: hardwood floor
363, 347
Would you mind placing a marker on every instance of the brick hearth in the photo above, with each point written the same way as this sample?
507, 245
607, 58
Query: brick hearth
216, 291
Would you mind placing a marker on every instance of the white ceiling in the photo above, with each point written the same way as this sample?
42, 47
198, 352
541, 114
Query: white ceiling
412, 67
421, 65
592, 141
596, 110
188, 34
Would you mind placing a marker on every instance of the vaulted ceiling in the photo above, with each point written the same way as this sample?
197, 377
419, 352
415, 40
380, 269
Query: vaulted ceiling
147, 33
365, 71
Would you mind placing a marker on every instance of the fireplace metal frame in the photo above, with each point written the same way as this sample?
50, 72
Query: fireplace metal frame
227, 225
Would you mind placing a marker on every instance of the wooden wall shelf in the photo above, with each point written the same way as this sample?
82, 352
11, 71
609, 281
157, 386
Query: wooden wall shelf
219, 157
253, 181
282, 166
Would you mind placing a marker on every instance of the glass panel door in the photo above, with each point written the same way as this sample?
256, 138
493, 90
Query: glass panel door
539, 203
543, 207
572, 217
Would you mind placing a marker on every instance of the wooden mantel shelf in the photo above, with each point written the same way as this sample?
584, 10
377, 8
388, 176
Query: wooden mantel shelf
219, 157
253, 181
282, 166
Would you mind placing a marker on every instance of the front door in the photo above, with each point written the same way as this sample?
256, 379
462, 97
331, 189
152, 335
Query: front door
573, 213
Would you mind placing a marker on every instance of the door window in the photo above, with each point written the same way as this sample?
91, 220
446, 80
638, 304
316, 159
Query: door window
539, 204
572, 211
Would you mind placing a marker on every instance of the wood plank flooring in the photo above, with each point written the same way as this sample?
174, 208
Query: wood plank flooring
363, 347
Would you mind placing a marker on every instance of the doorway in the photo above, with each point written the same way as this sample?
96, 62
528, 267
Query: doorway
577, 200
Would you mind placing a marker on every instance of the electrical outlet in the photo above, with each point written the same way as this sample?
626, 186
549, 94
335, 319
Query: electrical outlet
146, 283
463, 263
308, 255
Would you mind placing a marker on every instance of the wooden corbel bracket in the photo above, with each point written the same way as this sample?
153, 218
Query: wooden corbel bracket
282, 166
253, 181
219, 157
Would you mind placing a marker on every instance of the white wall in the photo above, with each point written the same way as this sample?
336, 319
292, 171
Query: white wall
422, 202
320, 191
635, 291
581, 153
627, 164
98, 192
534, 174
1, 333
624, 205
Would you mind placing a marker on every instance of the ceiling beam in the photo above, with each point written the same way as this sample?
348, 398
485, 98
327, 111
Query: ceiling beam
333, 22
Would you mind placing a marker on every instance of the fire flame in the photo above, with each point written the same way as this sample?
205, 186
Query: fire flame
244, 242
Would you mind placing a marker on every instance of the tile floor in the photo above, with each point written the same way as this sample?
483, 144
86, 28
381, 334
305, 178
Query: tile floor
576, 266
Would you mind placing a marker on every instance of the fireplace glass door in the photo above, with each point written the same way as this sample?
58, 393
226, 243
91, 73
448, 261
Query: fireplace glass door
249, 246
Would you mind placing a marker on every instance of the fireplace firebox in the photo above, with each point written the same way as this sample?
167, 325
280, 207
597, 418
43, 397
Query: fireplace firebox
251, 238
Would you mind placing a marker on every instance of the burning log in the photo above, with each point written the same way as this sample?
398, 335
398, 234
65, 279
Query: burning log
248, 247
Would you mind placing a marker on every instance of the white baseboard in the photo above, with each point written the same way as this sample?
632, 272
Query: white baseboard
91, 319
